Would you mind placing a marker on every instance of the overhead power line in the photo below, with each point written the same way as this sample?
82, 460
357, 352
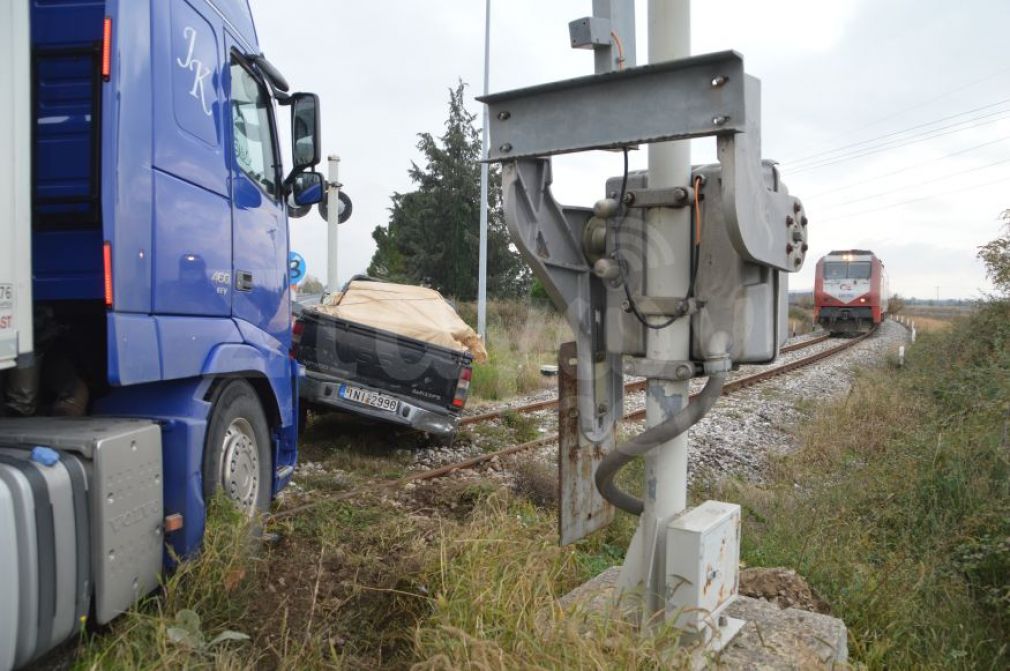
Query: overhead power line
934, 133
941, 178
824, 154
920, 105
908, 167
1002, 181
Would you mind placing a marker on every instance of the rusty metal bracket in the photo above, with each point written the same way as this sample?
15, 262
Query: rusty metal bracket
582, 509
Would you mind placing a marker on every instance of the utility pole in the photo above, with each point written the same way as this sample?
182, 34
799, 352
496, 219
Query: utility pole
332, 223
482, 263
667, 274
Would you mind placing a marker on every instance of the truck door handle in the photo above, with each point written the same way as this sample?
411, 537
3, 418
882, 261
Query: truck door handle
243, 280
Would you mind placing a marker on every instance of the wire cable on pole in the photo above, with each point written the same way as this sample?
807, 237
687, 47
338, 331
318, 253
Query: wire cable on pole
622, 263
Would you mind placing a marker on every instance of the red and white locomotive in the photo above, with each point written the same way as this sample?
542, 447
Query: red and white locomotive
850, 291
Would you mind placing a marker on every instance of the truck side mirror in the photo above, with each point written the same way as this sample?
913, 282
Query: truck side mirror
308, 188
306, 148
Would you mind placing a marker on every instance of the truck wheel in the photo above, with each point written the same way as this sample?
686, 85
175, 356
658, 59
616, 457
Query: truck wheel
236, 456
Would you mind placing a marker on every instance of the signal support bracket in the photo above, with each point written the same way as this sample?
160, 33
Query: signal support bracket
701, 96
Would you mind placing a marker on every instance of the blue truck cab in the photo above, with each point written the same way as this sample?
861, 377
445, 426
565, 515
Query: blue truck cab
158, 218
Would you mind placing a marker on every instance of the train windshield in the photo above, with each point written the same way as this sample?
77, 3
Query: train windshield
859, 270
840, 270
835, 270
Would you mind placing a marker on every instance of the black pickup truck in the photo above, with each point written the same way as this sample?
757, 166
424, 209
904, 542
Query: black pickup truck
354, 368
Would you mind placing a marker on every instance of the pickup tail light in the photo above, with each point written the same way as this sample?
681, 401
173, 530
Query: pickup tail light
296, 337
462, 387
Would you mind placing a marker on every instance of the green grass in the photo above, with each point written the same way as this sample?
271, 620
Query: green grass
801, 319
497, 580
521, 336
217, 588
897, 508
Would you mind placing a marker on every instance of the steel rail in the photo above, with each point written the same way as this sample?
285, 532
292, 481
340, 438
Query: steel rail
635, 415
628, 388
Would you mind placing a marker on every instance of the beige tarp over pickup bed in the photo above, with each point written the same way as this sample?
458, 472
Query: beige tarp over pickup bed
410, 311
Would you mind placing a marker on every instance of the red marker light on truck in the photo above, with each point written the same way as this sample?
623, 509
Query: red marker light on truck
107, 263
462, 387
107, 49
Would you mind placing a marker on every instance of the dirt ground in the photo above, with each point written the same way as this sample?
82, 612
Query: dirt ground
783, 587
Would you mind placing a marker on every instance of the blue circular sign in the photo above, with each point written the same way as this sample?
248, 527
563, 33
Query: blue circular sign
296, 267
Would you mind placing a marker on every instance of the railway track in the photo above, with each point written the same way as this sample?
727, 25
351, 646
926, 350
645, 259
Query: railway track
636, 415
628, 388
728, 388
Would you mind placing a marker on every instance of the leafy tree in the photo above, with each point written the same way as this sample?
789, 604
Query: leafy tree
311, 285
433, 234
996, 257
895, 304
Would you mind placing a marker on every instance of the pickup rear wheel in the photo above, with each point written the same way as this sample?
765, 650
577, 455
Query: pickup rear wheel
236, 455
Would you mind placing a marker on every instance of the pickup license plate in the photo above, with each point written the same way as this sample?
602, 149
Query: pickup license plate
370, 398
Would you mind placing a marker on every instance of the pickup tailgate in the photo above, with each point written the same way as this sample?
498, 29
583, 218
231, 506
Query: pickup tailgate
370, 357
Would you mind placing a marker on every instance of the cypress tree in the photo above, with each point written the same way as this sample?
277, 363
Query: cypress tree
433, 233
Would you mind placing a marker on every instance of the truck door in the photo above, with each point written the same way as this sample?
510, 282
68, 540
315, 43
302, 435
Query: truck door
259, 225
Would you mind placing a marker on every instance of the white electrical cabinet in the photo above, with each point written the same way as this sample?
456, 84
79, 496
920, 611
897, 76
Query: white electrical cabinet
702, 554
15, 184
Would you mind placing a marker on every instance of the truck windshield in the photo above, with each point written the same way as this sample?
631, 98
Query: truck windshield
840, 270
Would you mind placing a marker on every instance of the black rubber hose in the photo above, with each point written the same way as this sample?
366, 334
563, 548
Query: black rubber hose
651, 438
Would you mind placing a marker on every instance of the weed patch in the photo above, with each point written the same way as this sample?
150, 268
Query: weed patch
896, 507
495, 607
520, 337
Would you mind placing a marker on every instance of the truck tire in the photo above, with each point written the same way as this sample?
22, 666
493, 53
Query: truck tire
236, 455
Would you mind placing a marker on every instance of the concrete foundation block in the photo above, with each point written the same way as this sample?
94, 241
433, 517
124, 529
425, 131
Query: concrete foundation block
773, 638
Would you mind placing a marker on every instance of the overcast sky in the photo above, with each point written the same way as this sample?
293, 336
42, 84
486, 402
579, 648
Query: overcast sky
891, 118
